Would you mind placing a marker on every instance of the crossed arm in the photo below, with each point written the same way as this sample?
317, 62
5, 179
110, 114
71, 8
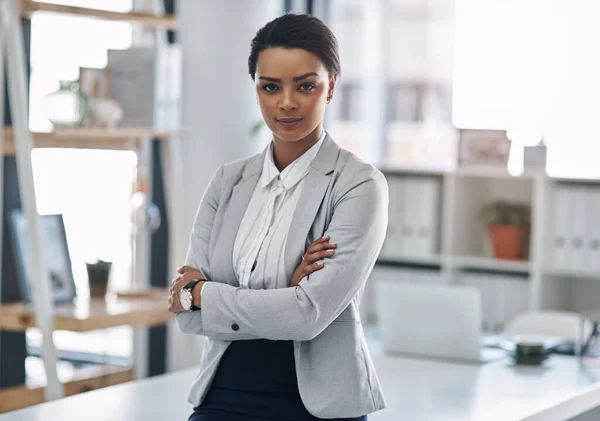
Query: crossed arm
358, 226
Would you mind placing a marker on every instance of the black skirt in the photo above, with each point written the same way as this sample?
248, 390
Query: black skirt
256, 381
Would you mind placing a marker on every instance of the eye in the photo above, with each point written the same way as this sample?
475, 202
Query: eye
306, 87
271, 87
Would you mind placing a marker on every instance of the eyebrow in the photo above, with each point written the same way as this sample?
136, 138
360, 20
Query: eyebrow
296, 79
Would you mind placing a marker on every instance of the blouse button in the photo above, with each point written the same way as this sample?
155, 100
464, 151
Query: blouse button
235, 327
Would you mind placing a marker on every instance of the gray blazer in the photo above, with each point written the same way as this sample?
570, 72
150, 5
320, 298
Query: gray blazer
342, 197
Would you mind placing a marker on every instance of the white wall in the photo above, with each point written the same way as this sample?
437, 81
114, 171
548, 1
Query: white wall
219, 103
219, 106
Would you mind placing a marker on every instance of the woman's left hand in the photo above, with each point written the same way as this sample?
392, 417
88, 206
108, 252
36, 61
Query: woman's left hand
177, 284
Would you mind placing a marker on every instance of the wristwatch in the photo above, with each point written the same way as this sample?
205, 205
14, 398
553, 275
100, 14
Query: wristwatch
186, 298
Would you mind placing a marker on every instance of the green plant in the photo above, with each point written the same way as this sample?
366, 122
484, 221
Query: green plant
256, 127
505, 213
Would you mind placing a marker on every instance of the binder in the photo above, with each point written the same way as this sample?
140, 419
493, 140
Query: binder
577, 252
392, 246
593, 221
426, 216
485, 288
516, 297
558, 248
411, 218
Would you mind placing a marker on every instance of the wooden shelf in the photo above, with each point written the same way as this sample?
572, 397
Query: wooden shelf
93, 314
146, 19
489, 263
119, 138
92, 378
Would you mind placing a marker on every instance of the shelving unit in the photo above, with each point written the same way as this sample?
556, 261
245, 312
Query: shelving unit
463, 244
19, 141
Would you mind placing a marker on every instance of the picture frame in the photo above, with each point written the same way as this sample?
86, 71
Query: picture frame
483, 147
95, 83
56, 256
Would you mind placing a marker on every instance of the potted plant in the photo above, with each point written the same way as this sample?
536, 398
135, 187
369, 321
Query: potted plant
508, 227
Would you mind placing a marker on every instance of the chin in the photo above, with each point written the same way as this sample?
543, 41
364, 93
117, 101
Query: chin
290, 137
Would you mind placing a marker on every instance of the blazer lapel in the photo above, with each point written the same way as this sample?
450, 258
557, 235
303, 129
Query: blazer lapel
314, 187
240, 198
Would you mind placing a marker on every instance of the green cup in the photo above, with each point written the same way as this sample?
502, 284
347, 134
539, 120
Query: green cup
530, 353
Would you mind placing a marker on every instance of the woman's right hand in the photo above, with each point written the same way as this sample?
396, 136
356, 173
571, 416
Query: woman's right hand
317, 251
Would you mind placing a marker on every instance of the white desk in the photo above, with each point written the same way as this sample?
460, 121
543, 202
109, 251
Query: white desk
420, 390
416, 390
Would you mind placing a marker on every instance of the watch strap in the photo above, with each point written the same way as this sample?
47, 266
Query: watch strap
189, 286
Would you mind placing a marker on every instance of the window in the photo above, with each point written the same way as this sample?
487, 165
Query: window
531, 67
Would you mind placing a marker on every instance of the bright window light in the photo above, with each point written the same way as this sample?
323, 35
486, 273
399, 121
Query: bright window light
531, 66
91, 188
61, 44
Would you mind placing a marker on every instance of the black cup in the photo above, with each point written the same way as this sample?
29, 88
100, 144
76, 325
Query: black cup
98, 276
530, 353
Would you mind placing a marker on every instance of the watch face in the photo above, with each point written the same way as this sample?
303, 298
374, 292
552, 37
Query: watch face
185, 300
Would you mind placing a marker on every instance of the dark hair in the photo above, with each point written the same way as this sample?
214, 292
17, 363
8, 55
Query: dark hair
301, 31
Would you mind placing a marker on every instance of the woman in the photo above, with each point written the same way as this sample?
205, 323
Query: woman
284, 335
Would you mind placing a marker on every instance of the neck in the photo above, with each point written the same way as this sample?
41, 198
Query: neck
284, 153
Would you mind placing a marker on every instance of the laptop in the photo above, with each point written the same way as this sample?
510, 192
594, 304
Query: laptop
433, 321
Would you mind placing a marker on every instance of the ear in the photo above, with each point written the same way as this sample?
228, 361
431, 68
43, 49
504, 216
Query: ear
331, 87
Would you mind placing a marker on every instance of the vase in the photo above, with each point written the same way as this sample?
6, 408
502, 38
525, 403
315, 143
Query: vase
508, 241
68, 107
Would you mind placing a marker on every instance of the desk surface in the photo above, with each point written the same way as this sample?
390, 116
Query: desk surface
93, 314
416, 390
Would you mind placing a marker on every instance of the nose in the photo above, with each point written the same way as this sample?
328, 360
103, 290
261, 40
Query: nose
288, 101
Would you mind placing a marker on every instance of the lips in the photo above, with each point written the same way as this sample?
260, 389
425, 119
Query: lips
288, 122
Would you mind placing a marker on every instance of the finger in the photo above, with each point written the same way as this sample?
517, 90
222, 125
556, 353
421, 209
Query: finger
308, 269
320, 240
184, 269
319, 255
321, 246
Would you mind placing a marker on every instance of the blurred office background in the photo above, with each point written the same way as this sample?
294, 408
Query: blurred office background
482, 114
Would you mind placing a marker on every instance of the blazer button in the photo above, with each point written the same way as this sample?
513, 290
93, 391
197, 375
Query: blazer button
235, 327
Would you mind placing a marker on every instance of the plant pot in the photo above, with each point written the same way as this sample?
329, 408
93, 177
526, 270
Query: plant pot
98, 276
508, 241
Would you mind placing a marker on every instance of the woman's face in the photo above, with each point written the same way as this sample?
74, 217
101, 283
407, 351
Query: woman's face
292, 86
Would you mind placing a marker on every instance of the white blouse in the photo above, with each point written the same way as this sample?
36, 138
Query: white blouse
260, 242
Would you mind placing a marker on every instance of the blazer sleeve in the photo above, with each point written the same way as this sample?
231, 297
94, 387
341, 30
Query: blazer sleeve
358, 225
197, 257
